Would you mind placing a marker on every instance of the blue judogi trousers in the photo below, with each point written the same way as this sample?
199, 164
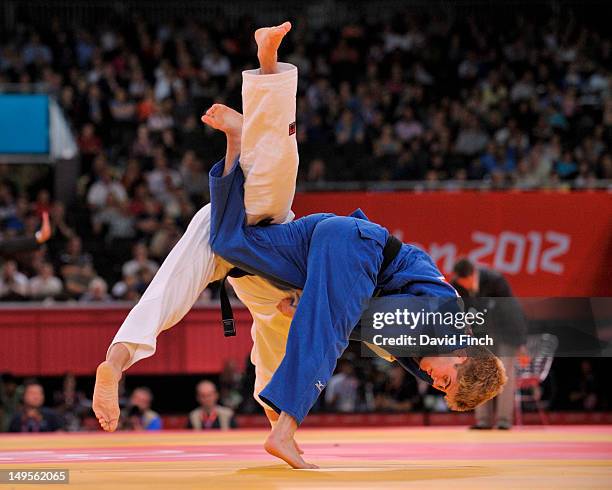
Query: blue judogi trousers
335, 260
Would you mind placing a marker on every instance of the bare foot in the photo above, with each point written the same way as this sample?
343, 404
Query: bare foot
225, 119
288, 451
298, 448
268, 40
106, 396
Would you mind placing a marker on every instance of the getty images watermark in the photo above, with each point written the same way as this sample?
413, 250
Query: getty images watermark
426, 328
420, 326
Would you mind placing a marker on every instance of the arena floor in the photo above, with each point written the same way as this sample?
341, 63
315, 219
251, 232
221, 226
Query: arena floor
551, 457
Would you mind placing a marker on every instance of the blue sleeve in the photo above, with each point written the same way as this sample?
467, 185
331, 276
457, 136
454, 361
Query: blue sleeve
227, 214
276, 252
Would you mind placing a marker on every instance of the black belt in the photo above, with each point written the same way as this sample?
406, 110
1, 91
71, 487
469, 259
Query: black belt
392, 248
227, 314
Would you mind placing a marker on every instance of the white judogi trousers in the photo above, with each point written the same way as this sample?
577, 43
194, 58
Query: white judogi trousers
269, 159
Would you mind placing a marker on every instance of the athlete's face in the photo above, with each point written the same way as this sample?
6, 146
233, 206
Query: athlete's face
443, 371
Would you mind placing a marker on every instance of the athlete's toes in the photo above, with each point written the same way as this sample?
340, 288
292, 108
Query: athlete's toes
212, 109
284, 27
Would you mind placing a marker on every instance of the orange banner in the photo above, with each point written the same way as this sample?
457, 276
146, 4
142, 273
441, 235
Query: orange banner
545, 243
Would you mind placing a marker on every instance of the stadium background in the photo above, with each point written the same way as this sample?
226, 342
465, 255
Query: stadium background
471, 128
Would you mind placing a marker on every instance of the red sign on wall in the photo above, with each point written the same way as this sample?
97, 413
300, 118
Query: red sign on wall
546, 243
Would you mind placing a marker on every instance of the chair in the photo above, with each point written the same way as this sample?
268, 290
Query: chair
541, 349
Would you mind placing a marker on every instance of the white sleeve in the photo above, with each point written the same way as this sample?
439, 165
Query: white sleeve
269, 155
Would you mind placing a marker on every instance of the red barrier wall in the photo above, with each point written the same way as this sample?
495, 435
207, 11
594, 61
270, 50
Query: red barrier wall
546, 243
50, 341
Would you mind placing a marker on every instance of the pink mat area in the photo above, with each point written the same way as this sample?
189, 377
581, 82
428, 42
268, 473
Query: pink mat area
388, 451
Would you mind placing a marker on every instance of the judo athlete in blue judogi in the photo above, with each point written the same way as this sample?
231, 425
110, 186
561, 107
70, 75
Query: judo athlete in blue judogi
339, 262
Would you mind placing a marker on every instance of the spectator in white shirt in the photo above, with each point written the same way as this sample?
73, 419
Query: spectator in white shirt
97, 196
140, 261
13, 284
162, 179
45, 284
341, 391
96, 292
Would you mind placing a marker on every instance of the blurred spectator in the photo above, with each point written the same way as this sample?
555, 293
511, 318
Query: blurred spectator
584, 393
71, 405
33, 416
140, 261
341, 390
105, 188
97, 292
45, 285
229, 385
373, 104
398, 392
195, 179
11, 393
138, 414
76, 268
316, 171
13, 284
164, 239
210, 415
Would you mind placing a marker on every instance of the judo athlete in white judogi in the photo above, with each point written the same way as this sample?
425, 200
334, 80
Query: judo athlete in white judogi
269, 160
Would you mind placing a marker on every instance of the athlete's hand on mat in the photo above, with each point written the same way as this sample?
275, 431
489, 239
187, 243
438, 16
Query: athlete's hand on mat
44, 233
286, 307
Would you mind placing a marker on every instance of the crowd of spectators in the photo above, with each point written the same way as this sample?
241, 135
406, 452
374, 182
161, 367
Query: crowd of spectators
506, 100
359, 385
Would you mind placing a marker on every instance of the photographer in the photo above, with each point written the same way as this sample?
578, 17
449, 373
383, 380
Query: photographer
138, 414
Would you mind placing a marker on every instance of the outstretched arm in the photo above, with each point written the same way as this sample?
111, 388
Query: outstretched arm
25, 244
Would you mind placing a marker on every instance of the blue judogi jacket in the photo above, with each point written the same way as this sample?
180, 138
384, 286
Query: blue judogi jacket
279, 253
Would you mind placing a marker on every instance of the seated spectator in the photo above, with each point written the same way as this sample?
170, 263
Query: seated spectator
584, 391
316, 171
33, 416
143, 145
138, 414
13, 284
195, 178
341, 391
128, 289
97, 292
45, 285
471, 139
566, 166
72, 405
398, 392
229, 384
89, 143
165, 238
105, 186
11, 393
162, 179
140, 261
76, 268
210, 415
